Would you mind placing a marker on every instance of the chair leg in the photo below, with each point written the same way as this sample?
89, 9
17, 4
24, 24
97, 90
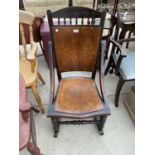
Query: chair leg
118, 89
108, 66
33, 149
37, 97
55, 126
41, 78
101, 124
41, 47
107, 48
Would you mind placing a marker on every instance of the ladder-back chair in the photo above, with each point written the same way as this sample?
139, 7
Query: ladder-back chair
76, 47
28, 64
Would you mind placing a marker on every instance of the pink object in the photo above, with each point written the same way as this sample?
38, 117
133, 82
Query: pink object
24, 126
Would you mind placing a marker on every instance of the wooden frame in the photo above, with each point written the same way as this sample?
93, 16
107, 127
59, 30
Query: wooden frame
99, 116
111, 25
28, 64
122, 78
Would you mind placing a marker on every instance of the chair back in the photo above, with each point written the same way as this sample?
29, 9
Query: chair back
26, 18
76, 44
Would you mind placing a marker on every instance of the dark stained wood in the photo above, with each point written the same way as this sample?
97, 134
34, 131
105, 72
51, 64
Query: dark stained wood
21, 5
76, 12
72, 13
126, 25
116, 65
77, 95
75, 48
51, 113
70, 3
79, 47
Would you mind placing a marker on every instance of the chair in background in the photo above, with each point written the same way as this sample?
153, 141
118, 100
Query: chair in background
76, 47
112, 7
36, 31
27, 132
28, 64
125, 28
123, 60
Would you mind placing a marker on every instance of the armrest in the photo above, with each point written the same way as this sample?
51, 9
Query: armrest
25, 109
119, 46
24, 106
52, 78
31, 54
126, 40
101, 72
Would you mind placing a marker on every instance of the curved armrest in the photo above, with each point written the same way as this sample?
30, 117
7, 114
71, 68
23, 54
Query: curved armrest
25, 108
52, 79
101, 72
31, 54
119, 46
126, 40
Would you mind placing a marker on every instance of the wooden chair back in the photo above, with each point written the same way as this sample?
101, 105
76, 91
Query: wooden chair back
76, 45
26, 18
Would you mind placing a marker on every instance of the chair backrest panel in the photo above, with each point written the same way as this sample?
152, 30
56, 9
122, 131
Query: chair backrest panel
76, 47
76, 44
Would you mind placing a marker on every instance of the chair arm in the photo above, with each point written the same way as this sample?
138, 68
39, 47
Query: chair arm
101, 72
52, 78
31, 54
25, 109
119, 46
24, 106
126, 40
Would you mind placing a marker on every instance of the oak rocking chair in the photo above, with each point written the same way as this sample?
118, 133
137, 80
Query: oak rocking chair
28, 64
76, 47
